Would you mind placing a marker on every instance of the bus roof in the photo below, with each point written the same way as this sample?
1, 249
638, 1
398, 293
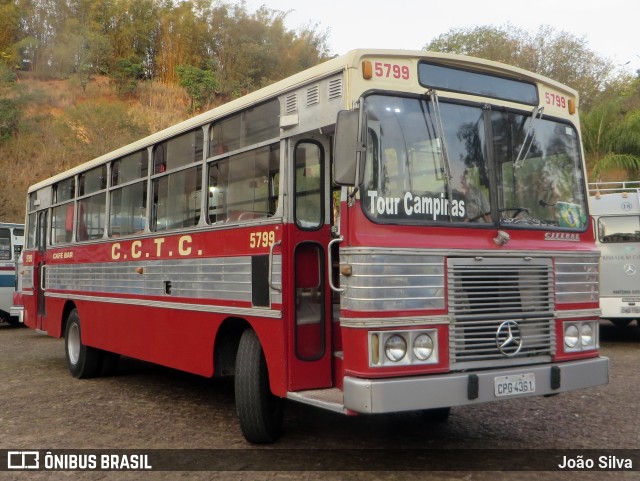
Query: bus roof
350, 60
614, 198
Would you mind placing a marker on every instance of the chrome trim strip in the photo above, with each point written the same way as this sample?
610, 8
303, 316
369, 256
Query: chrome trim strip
237, 311
470, 253
376, 322
579, 313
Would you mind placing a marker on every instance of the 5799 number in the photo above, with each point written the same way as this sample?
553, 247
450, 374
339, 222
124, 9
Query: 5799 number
261, 239
554, 99
391, 70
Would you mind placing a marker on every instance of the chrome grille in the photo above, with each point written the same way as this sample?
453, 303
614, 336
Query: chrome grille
483, 293
392, 280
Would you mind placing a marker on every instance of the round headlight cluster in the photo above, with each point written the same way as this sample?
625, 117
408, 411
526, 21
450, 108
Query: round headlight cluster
580, 335
571, 336
423, 347
586, 335
395, 348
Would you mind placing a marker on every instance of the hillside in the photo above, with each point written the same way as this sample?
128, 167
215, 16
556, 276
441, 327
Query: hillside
62, 125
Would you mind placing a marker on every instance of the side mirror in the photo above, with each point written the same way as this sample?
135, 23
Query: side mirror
347, 152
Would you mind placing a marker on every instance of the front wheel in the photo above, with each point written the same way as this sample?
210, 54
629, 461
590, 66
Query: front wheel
83, 361
259, 411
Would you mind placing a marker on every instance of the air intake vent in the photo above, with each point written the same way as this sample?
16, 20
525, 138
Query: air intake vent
291, 104
313, 95
335, 89
488, 295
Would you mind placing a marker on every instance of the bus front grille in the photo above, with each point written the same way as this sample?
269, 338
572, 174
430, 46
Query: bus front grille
487, 298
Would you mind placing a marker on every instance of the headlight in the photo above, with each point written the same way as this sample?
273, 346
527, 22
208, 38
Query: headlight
580, 336
423, 347
586, 335
413, 347
395, 348
571, 336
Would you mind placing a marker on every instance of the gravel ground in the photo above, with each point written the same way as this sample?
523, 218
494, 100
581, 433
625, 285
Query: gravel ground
146, 407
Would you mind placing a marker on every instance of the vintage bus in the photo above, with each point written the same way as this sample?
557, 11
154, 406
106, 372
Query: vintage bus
615, 208
11, 242
387, 231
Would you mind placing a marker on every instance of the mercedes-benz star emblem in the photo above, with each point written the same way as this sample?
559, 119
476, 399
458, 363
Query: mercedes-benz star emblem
508, 338
630, 269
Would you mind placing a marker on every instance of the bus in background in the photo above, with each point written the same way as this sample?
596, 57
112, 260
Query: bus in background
615, 208
11, 243
387, 231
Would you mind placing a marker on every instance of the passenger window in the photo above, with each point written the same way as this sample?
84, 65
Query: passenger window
176, 199
309, 176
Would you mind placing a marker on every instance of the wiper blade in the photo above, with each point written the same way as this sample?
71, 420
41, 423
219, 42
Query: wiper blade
433, 95
528, 137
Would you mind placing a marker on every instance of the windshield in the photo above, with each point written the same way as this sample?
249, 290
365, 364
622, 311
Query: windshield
435, 162
619, 229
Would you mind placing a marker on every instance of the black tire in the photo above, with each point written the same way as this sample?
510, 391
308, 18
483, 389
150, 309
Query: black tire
621, 323
109, 363
436, 416
83, 361
259, 411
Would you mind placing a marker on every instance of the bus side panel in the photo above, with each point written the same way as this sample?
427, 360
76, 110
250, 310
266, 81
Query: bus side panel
175, 338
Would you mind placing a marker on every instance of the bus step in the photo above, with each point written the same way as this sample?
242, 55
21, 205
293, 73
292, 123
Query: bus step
330, 398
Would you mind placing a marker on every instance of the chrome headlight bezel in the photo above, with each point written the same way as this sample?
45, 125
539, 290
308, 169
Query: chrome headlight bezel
416, 346
579, 336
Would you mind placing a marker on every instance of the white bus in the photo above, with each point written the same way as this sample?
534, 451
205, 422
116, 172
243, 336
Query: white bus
11, 243
615, 208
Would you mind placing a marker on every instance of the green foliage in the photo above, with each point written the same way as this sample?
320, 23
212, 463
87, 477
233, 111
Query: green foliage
555, 54
200, 85
9, 118
125, 75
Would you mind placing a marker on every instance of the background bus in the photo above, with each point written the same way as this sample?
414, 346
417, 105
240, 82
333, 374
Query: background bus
11, 243
615, 207
387, 231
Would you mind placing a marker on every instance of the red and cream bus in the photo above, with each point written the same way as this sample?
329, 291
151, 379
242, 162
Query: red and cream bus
388, 231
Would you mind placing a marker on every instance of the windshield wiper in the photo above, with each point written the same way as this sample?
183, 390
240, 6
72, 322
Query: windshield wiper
433, 96
535, 116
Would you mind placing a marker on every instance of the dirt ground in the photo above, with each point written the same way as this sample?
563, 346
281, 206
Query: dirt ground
147, 407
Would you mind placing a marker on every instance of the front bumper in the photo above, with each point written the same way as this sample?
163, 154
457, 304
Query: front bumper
18, 312
460, 389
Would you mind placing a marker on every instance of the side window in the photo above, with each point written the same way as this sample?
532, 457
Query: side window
178, 151
62, 215
176, 199
309, 159
31, 231
91, 217
5, 244
62, 223
92, 207
244, 186
128, 209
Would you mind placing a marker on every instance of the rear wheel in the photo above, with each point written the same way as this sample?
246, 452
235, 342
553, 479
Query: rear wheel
259, 411
82, 361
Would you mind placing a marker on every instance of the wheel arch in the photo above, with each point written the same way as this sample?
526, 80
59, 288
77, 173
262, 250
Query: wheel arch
225, 350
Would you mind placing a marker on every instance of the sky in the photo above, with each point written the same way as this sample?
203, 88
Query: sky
609, 27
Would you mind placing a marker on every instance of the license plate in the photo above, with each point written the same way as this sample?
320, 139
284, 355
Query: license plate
512, 385
630, 310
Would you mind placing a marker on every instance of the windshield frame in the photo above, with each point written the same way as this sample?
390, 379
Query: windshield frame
521, 219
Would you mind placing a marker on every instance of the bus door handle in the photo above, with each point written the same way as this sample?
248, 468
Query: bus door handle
42, 274
270, 276
337, 240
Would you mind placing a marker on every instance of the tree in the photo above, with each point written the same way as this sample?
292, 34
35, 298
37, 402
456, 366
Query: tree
558, 55
200, 85
125, 75
611, 136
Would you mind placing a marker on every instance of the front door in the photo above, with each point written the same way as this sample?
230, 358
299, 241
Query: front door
39, 277
310, 358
